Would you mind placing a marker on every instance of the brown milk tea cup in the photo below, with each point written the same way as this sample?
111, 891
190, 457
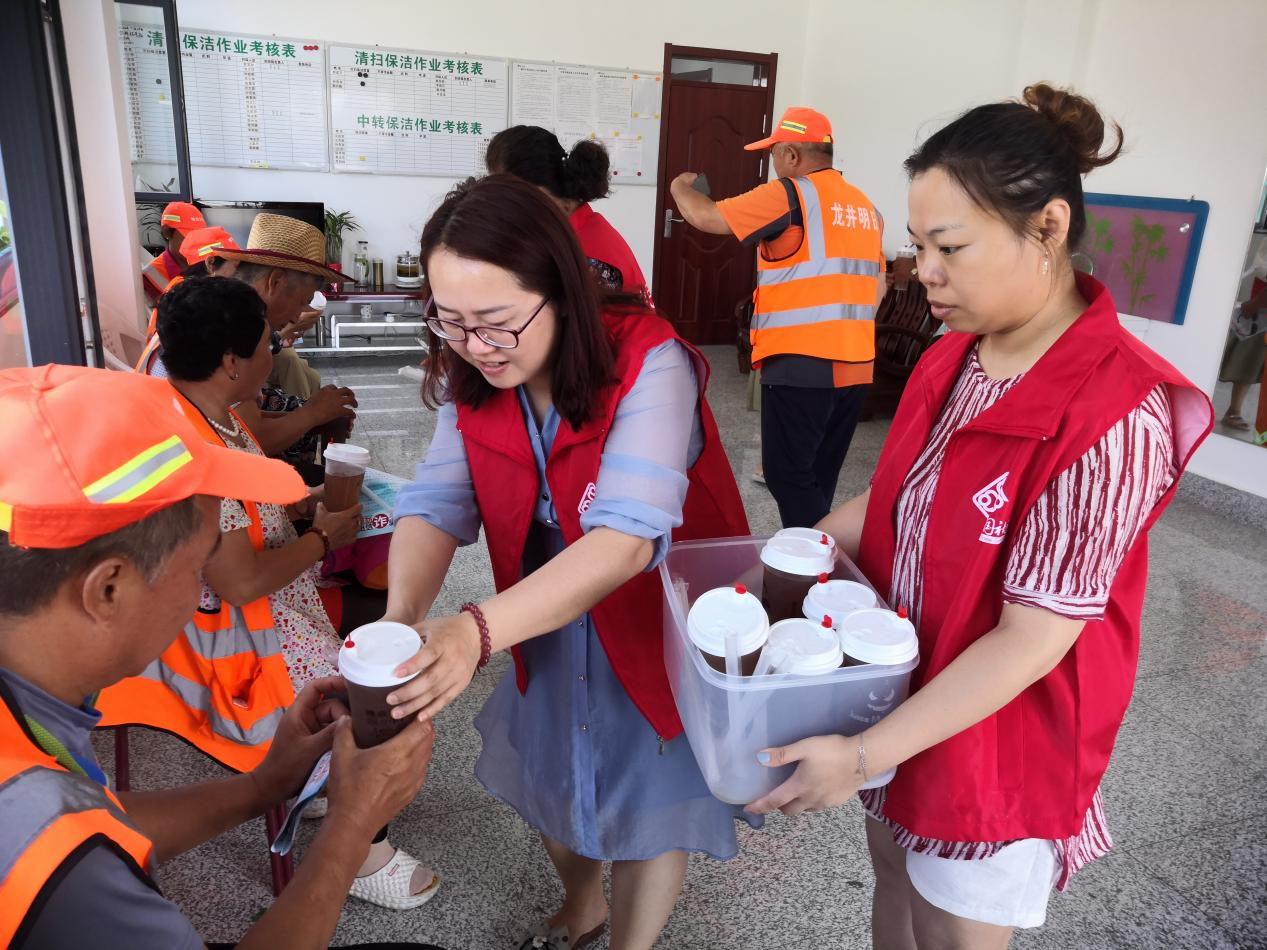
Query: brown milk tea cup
793, 560
367, 663
345, 471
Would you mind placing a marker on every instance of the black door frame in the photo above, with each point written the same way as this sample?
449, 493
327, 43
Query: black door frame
666, 104
41, 169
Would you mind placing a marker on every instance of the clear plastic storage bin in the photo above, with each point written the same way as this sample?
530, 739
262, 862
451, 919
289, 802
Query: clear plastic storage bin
728, 720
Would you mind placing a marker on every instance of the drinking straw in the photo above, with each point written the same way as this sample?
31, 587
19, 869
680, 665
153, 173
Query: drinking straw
771, 656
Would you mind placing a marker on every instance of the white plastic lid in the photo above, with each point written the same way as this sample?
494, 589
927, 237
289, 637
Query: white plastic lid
726, 610
878, 636
836, 599
804, 647
807, 534
800, 551
351, 454
371, 653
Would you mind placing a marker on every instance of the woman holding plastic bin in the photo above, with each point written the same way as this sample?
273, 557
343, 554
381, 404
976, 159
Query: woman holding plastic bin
1034, 447
577, 432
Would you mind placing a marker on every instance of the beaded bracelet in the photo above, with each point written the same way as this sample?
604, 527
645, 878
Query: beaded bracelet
486, 640
325, 540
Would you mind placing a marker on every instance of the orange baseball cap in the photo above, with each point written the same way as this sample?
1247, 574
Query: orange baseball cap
797, 125
205, 242
71, 475
182, 216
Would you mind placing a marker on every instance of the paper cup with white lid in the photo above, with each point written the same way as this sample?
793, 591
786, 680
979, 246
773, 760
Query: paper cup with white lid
728, 613
878, 636
836, 599
345, 472
367, 663
802, 647
792, 560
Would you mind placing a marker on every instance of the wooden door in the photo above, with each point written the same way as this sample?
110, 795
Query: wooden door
699, 278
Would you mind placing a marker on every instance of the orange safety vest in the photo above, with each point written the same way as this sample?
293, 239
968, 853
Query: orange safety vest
156, 276
222, 685
146, 359
820, 301
49, 814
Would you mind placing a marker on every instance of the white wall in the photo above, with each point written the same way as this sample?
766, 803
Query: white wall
1179, 78
392, 209
97, 99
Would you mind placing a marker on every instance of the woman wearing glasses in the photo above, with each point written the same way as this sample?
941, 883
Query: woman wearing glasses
577, 434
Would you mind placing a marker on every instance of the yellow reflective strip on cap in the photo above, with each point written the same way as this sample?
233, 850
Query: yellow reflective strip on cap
172, 217
121, 484
208, 248
161, 474
792, 126
6, 516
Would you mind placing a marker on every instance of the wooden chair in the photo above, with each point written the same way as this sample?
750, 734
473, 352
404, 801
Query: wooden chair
904, 329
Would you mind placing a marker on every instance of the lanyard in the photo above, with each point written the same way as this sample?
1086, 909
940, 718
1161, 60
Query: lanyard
65, 758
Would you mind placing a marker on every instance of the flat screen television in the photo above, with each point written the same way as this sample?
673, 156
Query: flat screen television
236, 216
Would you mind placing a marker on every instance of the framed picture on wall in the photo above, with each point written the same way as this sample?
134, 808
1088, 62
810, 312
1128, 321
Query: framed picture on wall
1145, 251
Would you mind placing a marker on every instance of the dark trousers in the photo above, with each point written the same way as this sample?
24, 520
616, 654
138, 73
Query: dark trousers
805, 435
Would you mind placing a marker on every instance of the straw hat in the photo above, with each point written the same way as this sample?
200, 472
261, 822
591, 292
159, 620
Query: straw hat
279, 241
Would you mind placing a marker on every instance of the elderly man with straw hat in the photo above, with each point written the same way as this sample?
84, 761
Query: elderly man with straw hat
284, 260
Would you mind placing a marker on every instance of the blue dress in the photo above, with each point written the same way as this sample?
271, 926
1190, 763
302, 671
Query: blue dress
573, 756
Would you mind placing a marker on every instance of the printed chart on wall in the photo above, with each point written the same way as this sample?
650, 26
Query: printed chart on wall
250, 102
143, 50
410, 112
618, 107
254, 102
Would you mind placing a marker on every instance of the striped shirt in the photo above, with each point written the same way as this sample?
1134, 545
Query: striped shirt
1063, 559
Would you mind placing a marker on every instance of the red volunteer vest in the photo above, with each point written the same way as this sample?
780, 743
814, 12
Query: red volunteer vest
630, 620
1031, 769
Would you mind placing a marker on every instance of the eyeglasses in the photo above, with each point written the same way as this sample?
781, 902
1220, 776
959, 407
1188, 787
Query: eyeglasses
275, 342
501, 337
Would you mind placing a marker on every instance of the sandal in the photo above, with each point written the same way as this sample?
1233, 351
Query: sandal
389, 885
546, 937
1234, 420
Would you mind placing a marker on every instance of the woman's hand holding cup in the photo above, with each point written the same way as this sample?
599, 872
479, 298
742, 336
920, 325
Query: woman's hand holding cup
341, 527
446, 663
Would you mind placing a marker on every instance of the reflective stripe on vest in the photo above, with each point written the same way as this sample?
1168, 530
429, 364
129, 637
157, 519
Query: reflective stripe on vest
798, 300
146, 361
198, 696
156, 275
48, 812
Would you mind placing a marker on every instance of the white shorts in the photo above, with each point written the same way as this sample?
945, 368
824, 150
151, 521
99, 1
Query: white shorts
1009, 889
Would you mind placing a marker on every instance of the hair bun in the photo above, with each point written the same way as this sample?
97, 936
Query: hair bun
588, 171
1078, 120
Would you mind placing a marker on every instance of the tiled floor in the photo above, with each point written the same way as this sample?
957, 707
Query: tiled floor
1186, 793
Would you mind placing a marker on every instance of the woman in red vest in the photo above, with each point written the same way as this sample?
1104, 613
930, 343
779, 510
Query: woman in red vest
1034, 447
577, 433
572, 180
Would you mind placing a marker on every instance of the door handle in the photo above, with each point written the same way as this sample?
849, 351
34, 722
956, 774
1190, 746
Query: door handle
669, 221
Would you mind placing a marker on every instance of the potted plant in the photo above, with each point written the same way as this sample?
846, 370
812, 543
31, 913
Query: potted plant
338, 222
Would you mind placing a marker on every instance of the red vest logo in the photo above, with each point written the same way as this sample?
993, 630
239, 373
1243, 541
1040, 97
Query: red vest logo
588, 498
989, 500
